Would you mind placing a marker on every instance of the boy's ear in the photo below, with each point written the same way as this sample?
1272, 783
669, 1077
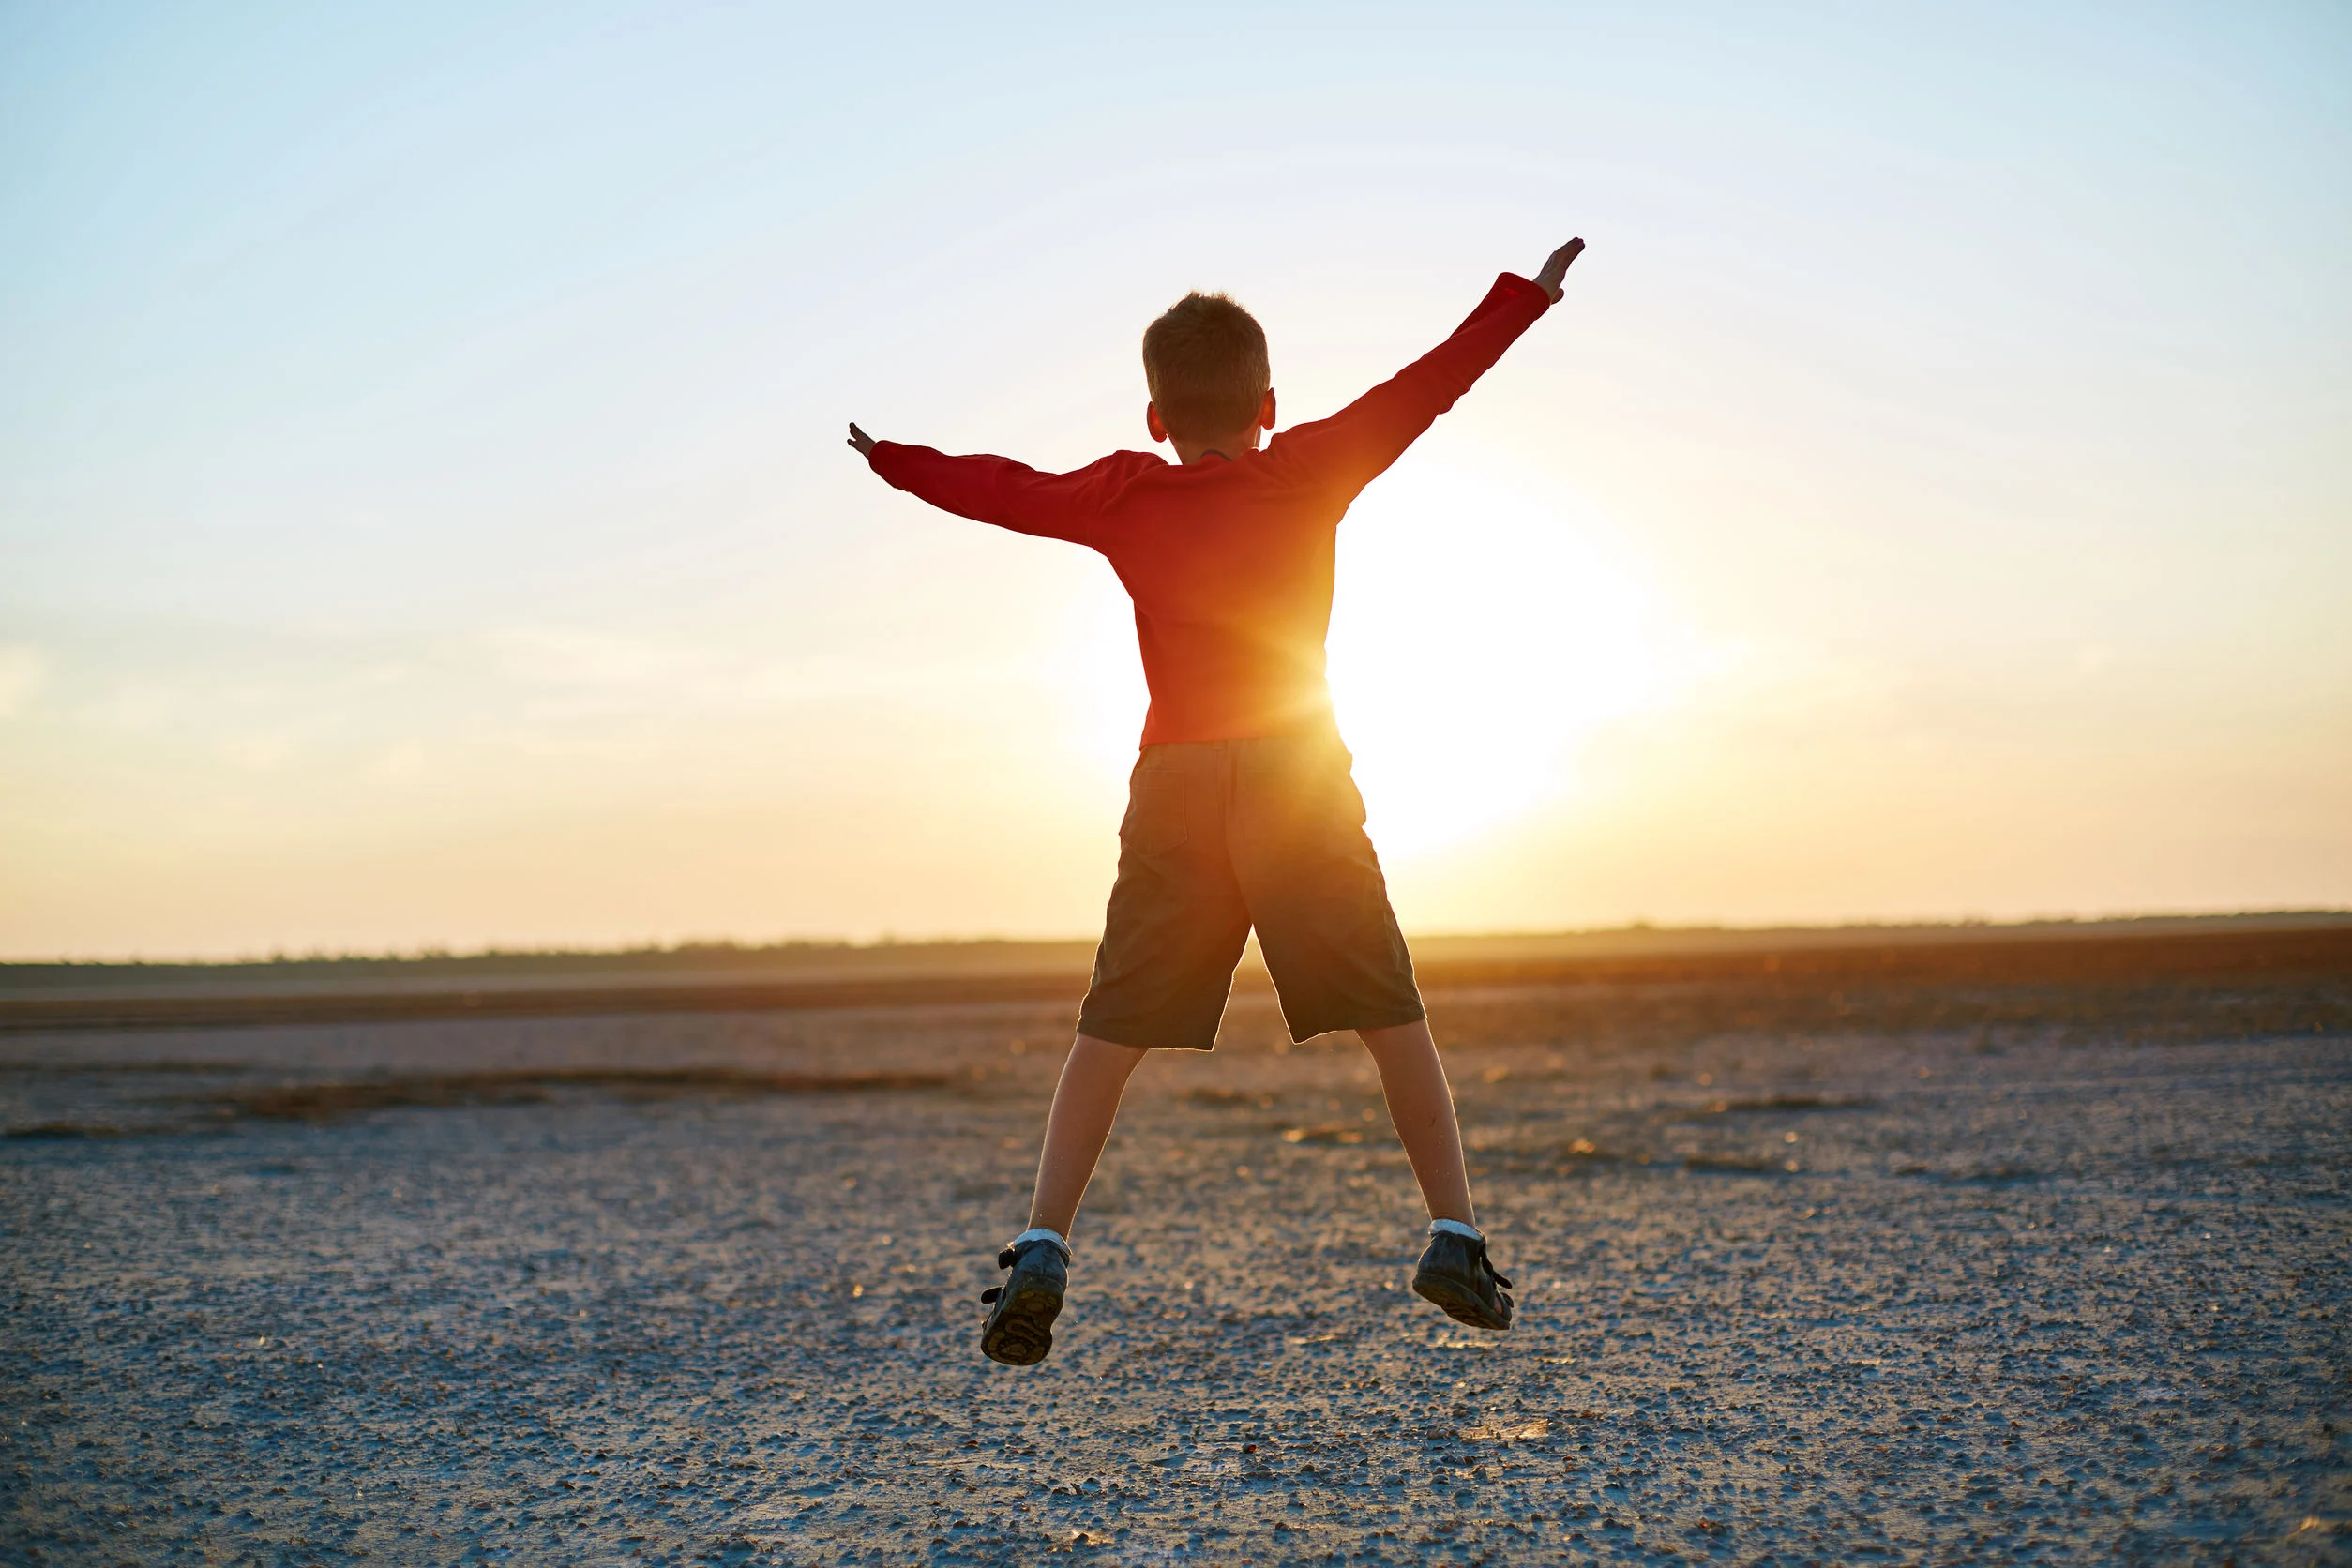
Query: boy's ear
1152, 422
1266, 412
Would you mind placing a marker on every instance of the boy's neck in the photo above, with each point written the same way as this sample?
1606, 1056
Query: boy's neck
1226, 447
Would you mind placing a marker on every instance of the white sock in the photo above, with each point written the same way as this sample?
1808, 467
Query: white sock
1451, 1227
1041, 1233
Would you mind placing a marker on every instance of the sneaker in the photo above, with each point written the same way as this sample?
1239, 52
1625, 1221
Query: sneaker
1455, 1274
1022, 1312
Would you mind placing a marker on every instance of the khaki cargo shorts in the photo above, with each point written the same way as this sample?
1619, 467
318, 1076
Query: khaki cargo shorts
1222, 835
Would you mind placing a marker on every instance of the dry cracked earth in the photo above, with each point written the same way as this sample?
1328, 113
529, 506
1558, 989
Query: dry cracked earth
2050, 1276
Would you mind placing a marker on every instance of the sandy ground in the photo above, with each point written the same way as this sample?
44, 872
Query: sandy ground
2047, 1275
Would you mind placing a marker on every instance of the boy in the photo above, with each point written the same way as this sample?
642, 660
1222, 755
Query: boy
1241, 810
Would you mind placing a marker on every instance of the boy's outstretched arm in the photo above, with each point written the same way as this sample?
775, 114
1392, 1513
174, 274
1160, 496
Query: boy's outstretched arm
1352, 446
992, 490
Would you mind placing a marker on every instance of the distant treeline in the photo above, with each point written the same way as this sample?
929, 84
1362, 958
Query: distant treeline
524, 963
1802, 978
1006, 956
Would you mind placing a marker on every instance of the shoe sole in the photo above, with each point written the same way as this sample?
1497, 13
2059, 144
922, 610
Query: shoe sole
1022, 1332
1458, 1302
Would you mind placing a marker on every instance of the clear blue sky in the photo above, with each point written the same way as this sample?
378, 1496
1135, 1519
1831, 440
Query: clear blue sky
423, 516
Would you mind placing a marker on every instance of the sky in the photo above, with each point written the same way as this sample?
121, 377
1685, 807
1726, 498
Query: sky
425, 520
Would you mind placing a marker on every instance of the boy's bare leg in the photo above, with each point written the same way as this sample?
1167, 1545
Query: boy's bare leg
1085, 1103
1420, 1103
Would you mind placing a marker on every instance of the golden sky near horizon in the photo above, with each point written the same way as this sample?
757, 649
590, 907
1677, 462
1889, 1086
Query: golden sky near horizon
424, 520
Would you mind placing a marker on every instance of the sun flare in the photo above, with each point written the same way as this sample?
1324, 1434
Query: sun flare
1480, 635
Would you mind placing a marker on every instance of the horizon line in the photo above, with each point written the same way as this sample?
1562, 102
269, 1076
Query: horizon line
888, 940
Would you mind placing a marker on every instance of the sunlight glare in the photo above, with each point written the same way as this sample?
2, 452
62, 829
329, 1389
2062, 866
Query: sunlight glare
1480, 635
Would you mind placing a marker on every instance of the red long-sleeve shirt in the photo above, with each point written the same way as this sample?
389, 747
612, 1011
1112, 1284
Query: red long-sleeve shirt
1229, 563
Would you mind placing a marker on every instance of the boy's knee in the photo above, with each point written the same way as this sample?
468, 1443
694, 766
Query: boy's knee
1110, 1053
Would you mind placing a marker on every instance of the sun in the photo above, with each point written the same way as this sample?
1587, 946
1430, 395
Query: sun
1479, 635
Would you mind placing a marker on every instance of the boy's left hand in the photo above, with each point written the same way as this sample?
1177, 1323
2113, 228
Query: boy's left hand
860, 440
1555, 271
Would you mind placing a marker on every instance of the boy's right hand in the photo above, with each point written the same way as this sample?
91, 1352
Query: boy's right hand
1556, 268
865, 444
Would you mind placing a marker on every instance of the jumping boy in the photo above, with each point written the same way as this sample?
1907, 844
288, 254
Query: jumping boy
1241, 810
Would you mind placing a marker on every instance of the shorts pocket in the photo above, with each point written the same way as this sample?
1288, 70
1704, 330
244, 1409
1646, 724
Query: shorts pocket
1156, 823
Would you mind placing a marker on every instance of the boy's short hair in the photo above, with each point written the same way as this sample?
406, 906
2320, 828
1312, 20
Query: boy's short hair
1205, 362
